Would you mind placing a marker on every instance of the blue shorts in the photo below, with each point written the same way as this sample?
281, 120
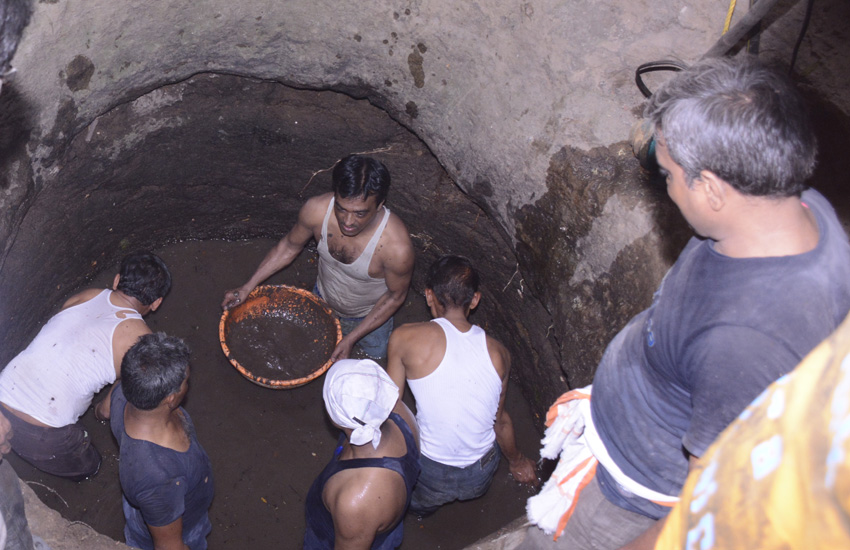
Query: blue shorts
440, 484
373, 344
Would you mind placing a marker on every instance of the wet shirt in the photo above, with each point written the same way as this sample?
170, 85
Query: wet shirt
719, 331
160, 485
348, 288
55, 377
779, 476
320, 525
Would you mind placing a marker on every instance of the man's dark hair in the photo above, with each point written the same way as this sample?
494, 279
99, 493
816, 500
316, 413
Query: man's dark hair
14, 16
144, 276
740, 120
153, 369
453, 280
356, 176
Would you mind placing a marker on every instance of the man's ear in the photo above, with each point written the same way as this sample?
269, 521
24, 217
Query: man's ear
714, 188
156, 303
474, 302
429, 296
115, 282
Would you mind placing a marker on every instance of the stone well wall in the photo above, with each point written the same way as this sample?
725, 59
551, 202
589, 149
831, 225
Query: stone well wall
504, 124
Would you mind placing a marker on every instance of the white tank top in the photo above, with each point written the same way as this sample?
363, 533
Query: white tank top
348, 288
456, 404
55, 378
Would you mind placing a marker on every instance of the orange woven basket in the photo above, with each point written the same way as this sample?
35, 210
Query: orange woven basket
285, 304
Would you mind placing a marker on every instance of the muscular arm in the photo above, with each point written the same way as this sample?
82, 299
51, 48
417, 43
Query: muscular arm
126, 334
647, 539
398, 270
521, 467
399, 342
168, 537
283, 253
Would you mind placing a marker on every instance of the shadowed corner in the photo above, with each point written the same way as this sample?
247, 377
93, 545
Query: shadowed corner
15, 128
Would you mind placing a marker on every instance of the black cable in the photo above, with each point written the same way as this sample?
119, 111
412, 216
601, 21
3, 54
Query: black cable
664, 65
806, 19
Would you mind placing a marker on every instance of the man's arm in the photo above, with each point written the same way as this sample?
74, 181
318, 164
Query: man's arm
126, 334
395, 363
5, 435
398, 270
521, 467
283, 253
168, 537
647, 539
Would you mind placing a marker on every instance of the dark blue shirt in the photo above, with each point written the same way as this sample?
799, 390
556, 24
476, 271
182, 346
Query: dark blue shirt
719, 331
320, 524
160, 484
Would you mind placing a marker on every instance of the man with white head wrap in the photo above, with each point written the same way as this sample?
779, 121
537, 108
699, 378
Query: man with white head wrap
359, 499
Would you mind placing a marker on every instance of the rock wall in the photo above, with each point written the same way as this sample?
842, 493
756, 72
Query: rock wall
109, 142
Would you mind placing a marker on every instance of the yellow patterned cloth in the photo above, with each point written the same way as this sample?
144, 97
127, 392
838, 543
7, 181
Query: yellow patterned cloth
779, 476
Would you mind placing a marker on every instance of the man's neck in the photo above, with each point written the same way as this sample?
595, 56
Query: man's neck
763, 227
458, 317
161, 425
128, 301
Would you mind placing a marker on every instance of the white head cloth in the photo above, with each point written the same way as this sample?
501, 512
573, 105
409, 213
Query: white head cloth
359, 395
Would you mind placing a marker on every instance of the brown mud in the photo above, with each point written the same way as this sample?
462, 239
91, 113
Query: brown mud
280, 334
266, 445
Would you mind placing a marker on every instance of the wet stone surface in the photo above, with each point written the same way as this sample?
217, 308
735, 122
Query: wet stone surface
266, 445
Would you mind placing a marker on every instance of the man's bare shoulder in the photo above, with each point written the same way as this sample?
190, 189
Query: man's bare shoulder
499, 354
396, 239
365, 499
416, 332
313, 211
81, 297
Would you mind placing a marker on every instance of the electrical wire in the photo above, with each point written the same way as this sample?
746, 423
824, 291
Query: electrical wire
803, 30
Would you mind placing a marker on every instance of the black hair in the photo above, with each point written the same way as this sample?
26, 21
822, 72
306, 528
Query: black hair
144, 276
453, 280
356, 176
153, 369
741, 120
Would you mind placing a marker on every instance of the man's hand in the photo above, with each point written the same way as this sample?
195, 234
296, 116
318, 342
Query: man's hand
234, 297
5, 435
343, 349
525, 471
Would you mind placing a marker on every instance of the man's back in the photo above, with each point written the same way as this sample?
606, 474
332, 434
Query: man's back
160, 484
464, 384
54, 379
361, 499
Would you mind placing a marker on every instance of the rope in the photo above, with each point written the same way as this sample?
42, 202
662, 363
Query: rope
729, 16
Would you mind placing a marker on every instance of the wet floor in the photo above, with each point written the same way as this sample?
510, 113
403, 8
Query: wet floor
266, 445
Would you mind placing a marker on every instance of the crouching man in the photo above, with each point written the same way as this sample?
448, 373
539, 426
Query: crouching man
359, 500
47, 387
166, 476
458, 376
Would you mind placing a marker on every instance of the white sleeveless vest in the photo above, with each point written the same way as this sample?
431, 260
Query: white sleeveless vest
55, 378
348, 288
456, 404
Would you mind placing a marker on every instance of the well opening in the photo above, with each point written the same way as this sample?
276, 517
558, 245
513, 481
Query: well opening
227, 157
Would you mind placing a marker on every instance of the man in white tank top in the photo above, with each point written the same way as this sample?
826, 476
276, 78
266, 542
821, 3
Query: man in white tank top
365, 255
47, 387
458, 376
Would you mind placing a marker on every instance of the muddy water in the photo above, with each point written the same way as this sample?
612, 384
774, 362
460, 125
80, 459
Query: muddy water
266, 445
283, 344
